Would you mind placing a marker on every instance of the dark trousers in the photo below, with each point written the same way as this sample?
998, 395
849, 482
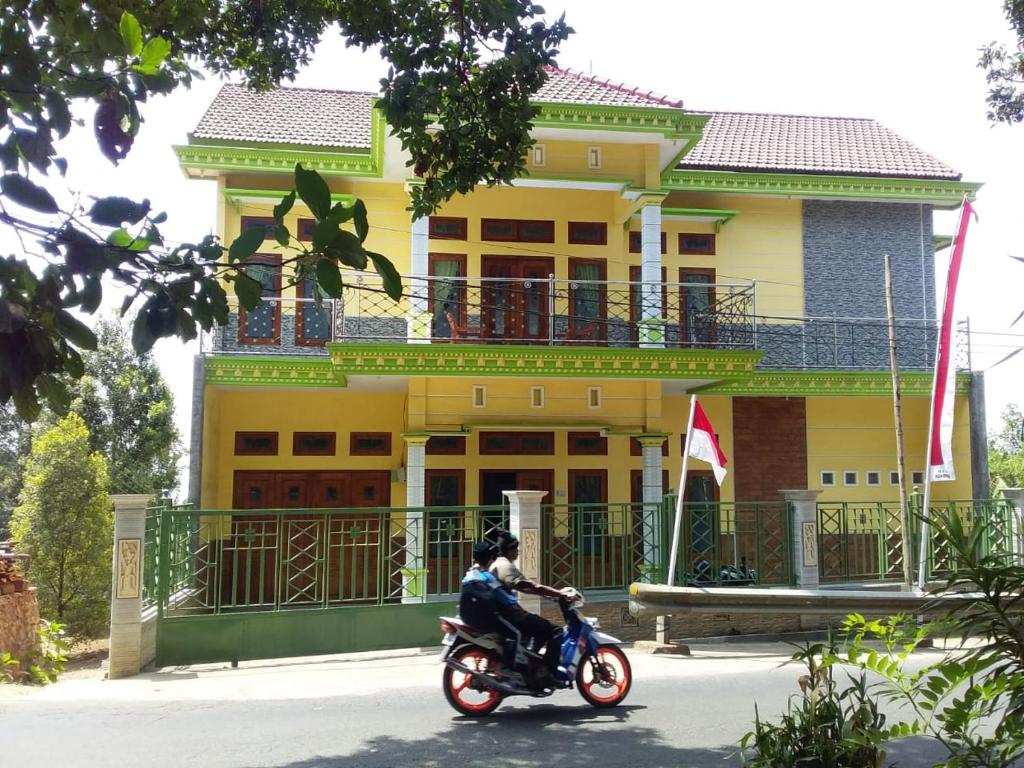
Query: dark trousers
546, 637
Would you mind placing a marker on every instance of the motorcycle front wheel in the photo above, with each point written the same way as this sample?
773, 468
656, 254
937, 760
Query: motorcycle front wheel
605, 678
463, 692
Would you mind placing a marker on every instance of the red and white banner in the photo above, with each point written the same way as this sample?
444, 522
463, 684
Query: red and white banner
940, 451
703, 444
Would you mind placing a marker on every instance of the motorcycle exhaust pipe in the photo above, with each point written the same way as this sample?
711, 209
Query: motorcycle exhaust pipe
490, 682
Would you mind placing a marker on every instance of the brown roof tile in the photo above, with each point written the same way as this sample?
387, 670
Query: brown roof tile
308, 116
739, 141
566, 86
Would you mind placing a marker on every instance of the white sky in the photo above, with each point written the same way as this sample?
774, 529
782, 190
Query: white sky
911, 64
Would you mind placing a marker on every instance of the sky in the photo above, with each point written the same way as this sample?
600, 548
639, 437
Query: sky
911, 64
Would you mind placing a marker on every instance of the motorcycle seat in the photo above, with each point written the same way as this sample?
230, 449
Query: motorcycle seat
471, 631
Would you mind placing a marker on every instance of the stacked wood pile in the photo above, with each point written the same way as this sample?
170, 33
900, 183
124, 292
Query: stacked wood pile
11, 580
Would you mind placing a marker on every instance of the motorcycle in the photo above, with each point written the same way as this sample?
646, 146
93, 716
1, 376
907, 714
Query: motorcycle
592, 661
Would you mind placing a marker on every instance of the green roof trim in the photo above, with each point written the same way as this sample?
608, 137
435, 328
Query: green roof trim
941, 242
939, 192
271, 371
223, 157
670, 122
831, 383
401, 359
236, 194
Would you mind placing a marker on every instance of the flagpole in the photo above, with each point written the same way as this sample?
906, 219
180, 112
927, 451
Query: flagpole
922, 556
679, 498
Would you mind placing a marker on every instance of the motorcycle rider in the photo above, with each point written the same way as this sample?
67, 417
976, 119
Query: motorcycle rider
482, 600
545, 635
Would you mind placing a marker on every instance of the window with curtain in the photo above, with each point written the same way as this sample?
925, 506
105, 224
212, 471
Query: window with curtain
697, 305
448, 296
588, 491
444, 489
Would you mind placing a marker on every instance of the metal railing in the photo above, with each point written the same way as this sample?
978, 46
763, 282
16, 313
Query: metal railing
217, 561
556, 312
862, 541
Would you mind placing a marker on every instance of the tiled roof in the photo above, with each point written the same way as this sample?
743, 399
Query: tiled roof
734, 141
737, 141
566, 86
309, 116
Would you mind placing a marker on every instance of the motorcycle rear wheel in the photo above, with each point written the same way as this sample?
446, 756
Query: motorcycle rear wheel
465, 696
612, 682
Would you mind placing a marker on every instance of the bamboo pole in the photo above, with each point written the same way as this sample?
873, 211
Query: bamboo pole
897, 410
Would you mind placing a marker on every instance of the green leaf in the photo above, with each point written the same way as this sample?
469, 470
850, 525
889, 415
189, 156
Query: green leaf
281, 209
245, 244
313, 190
281, 234
92, 294
55, 392
247, 290
324, 233
131, 34
362, 225
114, 211
341, 212
74, 330
26, 403
27, 193
142, 338
122, 238
153, 55
329, 277
392, 280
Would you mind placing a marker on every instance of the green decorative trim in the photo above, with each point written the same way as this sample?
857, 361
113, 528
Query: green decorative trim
271, 371
941, 242
838, 383
222, 157
529, 361
234, 194
719, 216
594, 177
936, 191
670, 122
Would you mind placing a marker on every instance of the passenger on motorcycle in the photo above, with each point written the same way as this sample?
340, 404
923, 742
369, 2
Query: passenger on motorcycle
528, 626
483, 598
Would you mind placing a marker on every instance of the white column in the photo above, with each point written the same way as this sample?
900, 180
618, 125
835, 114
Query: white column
419, 315
804, 532
414, 574
652, 495
127, 655
651, 331
1016, 497
524, 522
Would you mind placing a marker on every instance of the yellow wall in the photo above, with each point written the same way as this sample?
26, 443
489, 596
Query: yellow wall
288, 411
858, 434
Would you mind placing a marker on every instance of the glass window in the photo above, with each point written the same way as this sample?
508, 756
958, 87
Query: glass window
314, 322
447, 294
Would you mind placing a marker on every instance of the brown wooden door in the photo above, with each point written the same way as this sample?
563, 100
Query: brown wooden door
291, 490
515, 299
370, 489
253, 490
330, 490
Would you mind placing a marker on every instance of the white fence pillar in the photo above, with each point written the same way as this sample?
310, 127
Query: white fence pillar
1016, 497
652, 325
653, 492
129, 652
524, 522
414, 575
804, 536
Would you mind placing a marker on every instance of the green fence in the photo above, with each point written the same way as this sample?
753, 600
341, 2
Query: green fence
862, 541
743, 543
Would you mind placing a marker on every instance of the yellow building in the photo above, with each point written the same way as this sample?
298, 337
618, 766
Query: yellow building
552, 331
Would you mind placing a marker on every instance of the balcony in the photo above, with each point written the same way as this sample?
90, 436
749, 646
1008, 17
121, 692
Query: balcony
573, 313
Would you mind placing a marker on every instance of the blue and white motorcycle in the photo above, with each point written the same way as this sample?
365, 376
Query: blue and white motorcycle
475, 682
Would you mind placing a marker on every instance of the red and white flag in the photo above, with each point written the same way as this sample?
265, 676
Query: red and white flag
704, 445
940, 451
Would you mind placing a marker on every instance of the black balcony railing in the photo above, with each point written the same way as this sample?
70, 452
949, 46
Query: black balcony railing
555, 312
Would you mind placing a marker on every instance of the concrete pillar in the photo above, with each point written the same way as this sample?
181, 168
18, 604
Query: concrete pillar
195, 451
414, 574
979, 439
655, 560
652, 327
804, 532
419, 321
128, 652
524, 522
1016, 497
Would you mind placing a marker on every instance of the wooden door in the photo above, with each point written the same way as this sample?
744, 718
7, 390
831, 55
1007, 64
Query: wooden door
515, 293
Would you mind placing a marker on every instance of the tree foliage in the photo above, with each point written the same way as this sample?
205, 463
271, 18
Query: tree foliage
64, 524
1006, 452
1004, 70
129, 411
456, 96
14, 446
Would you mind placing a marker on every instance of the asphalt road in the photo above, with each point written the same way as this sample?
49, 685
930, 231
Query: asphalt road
388, 711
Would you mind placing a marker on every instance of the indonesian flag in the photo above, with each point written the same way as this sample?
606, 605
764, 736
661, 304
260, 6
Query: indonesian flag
703, 444
940, 452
